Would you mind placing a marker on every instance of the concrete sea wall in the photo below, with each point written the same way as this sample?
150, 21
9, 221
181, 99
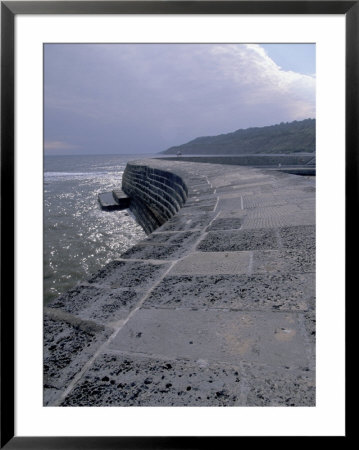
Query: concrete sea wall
216, 307
156, 195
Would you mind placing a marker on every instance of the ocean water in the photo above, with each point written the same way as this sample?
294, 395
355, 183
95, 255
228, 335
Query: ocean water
80, 238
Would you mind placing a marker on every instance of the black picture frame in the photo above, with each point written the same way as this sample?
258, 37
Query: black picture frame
9, 9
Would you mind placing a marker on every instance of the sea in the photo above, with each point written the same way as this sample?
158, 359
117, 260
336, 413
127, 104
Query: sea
80, 238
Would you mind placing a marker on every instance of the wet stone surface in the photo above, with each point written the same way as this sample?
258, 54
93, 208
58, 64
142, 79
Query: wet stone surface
160, 252
117, 380
221, 241
196, 202
302, 218
185, 238
298, 237
187, 222
225, 224
253, 201
284, 261
102, 305
290, 292
194, 208
66, 349
134, 274
310, 325
268, 387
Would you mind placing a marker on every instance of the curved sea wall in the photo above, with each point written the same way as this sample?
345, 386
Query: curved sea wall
156, 195
216, 307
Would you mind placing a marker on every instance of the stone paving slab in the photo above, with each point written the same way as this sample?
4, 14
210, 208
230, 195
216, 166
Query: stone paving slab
98, 303
239, 214
255, 178
199, 208
155, 252
298, 237
185, 238
133, 274
187, 222
68, 345
261, 292
227, 336
225, 224
127, 380
234, 193
241, 240
261, 186
310, 325
279, 221
283, 261
213, 263
279, 387
201, 201
270, 211
254, 201
163, 246
231, 204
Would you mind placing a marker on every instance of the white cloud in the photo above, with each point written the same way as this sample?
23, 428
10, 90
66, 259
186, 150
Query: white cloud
263, 83
156, 95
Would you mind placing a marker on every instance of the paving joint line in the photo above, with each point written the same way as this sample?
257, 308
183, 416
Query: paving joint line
100, 350
105, 345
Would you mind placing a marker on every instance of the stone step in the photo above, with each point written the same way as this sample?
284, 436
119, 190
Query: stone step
109, 201
121, 198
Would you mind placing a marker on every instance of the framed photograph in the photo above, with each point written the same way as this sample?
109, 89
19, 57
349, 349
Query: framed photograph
77, 78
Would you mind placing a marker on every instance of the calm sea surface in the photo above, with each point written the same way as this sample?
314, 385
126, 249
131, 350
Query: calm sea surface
80, 238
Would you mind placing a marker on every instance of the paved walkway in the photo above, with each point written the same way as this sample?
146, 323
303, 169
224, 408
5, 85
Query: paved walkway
214, 308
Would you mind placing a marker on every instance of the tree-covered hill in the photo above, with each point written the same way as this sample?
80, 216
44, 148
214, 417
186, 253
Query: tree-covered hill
289, 137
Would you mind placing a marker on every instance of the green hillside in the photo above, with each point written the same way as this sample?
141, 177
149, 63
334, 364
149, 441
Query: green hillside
289, 137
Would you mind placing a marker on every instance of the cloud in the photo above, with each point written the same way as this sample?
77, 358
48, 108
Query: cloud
262, 83
147, 97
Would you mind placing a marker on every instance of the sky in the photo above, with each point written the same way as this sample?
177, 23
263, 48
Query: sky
145, 98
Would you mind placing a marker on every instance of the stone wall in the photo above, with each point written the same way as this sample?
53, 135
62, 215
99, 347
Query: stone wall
156, 195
